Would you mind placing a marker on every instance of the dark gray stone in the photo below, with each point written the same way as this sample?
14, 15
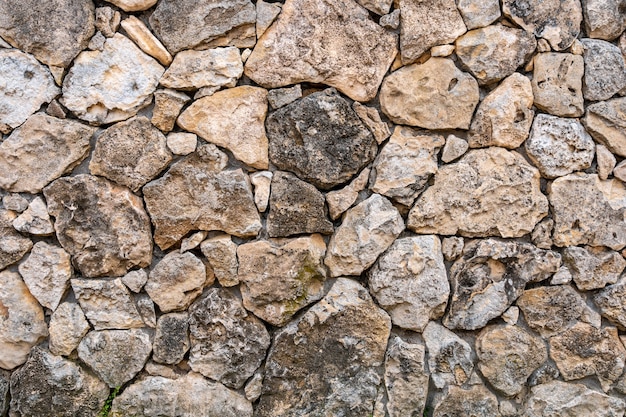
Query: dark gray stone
171, 341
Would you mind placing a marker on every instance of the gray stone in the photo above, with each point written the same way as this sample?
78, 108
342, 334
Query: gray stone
449, 356
606, 123
167, 106
35, 220
454, 148
135, 280
619, 171
604, 19
68, 326
266, 13
605, 70
171, 340
391, 20
4, 392
107, 21
146, 310
371, 118
611, 302
14, 202
280, 97
192, 70
452, 247
254, 387
542, 234
479, 13
557, 83
13, 246
380, 7
593, 267
406, 378
474, 401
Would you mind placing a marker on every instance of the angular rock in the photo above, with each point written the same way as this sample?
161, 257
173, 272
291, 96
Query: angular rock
371, 118
454, 148
68, 326
504, 117
14, 202
489, 192
262, 184
279, 277
280, 97
452, 247
345, 42
146, 310
511, 315
606, 123
4, 391
619, 171
95, 44
13, 246
611, 302
135, 280
266, 13
494, 52
102, 225
192, 70
367, 230
593, 268
475, 401
562, 276
171, 340
167, 106
182, 143
111, 85
433, 95
406, 378
197, 193
193, 241
410, 282
35, 220
557, 84
339, 201
605, 70
391, 20
139, 33
254, 386
221, 252
604, 19
478, 13
133, 5
449, 356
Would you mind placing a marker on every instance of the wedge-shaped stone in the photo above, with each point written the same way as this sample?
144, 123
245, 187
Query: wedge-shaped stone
449, 356
557, 83
141, 35
13, 246
339, 201
563, 399
211, 68
167, 106
68, 326
606, 123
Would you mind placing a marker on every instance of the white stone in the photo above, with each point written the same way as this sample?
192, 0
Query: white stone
213, 68
139, 33
35, 220
182, 143
262, 182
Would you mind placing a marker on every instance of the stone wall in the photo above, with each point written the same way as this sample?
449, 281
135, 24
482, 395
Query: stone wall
340, 208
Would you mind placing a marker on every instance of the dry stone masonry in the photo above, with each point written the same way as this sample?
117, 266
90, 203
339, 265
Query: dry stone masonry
303, 208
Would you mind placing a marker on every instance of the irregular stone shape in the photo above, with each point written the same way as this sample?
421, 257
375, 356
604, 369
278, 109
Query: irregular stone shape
254, 386
189, 396
296, 207
14, 202
405, 164
266, 13
167, 106
367, 230
139, 33
598, 222
133, 5
192, 24
409, 281
490, 276
35, 220
306, 372
449, 356
176, 281
478, 13
4, 391
145, 307
584, 350
53, 31
279, 277
262, 184
391, 20
111, 85
344, 42
604, 19
26, 86
452, 247
605, 70
611, 302
182, 143
13, 246
171, 340
197, 193
406, 378
227, 343
425, 24
551, 310
475, 401
339, 201
192, 70
557, 83
489, 192
135, 280
41, 150
221, 252
619, 171
511, 315
508, 355
557, 21
494, 52
605, 159
46, 273
116, 356
606, 122
371, 118
102, 225
320, 139
52, 386
22, 323
504, 117
131, 153
433, 95
562, 399
559, 146
280, 97
593, 268
67, 328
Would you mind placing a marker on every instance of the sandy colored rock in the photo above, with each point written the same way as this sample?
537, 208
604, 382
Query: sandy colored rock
192, 70
605, 70
280, 97
475, 401
262, 181
478, 13
139, 33
406, 378
35, 220
504, 117
193, 241
454, 148
107, 21
511, 315
371, 118
367, 230
279, 277
13, 246
14, 202
339, 201
391, 20
182, 143
611, 302
593, 268
135, 280
566, 399
68, 326
449, 356
266, 13
604, 19
557, 83
171, 339
452, 247
167, 106
606, 123
133, 5
606, 162
619, 171
433, 95
335, 55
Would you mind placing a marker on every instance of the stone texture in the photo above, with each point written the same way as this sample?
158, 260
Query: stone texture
221, 252
605, 70
68, 326
14, 202
391, 20
182, 143
262, 181
593, 268
619, 171
478, 13
13, 246
339, 201
489, 192
494, 52
475, 401
35, 220
139, 33
557, 83
266, 13
227, 343
406, 378
606, 162
611, 302
605, 122
306, 370
167, 106
110, 85
344, 41
433, 95
133, 5
102, 225
146, 310
371, 118
604, 19
452, 247
504, 117
192, 70
279, 277
449, 356
197, 193
135, 280
171, 340
280, 97
4, 391
41, 150
367, 230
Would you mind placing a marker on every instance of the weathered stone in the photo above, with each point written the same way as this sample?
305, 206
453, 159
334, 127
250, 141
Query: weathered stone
176, 281
182, 143
102, 225
14, 202
22, 323
490, 276
193, 241
227, 343
111, 85
306, 370
367, 230
619, 171
133, 5
604, 19
266, 13
191, 24
611, 302
67, 327
35, 220
116, 356
55, 109
433, 95
504, 117
254, 387
511, 315
452, 247
489, 192
593, 268
557, 84
107, 21
95, 44
605, 70
494, 52
371, 118
606, 122
171, 340
454, 148
211, 68
12, 245
391, 20
4, 392
146, 309
197, 193
279, 277
442, 50
405, 164
345, 42
234, 119
406, 378
475, 401
280, 97
479, 13
449, 356
139, 33
409, 281
135, 280
562, 276
606, 161
339, 201
221, 252
167, 106
262, 184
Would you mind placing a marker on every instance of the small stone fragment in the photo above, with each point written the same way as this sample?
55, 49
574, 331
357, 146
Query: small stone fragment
593, 267
67, 327
452, 247
133, 5
339, 201
262, 184
254, 387
406, 378
606, 161
511, 315
107, 21
611, 302
479, 13
449, 356
605, 121
193, 241
55, 109
167, 106
145, 307
605, 70
542, 234
171, 340
135, 280
454, 148
557, 84
35, 220
165, 371
182, 143
221, 252
474, 401
266, 13
14, 202
619, 171
441, 50
13, 246
562, 276
211, 68
391, 20
371, 118
280, 97
604, 19
95, 44
139, 33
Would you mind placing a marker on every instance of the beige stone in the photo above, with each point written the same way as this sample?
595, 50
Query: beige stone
280, 97
452, 247
606, 161
221, 252
182, 143
606, 123
380, 7
476, 400
479, 13
339, 201
566, 399
454, 148
13, 246
371, 118
139, 33
133, 5
593, 267
266, 13
262, 185
511, 315
35, 220
406, 377
604, 19
449, 356
542, 234
557, 84
107, 21
619, 171
167, 106
135, 280
551, 310
191, 70
442, 51
67, 327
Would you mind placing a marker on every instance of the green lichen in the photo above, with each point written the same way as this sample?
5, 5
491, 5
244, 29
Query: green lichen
106, 408
307, 274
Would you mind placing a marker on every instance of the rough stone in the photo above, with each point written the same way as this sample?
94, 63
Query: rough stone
605, 70
433, 95
279, 277
102, 225
442, 50
266, 13
391, 20
167, 106
135, 280
511, 315
406, 378
221, 252
562, 276
367, 230
371, 118
182, 143
254, 387
4, 392
146, 310
604, 19
611, 302
139, 33
452, 247
345, 41
619, 171
13, 246
35, 220
475, 401
193, 241
454, 148
211, 68
107, 21
557, 83
262, 184
197, 193
449, 356
593, 268
478, 13
606, 161
95, 44
605, 121
14, 202
171, 340
339, 201
67, 327
280, 97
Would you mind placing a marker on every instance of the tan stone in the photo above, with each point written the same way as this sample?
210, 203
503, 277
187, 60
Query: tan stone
606, 161
139, 33
107, 21
13, 246
593, 267
221, 252
479, 13
192, 70
135, 280
35, 220
476, 400
339, 201
557, 84
454, 148
193, 241
606, 123
182, 143
266, 13
167, 106
262, 184
67, 327
133, 5
442, 51
371, 118
449, 356
406, 378
563, 399
619, 171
